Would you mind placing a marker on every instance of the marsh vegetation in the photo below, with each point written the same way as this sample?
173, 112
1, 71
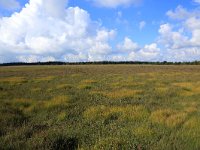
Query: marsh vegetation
100, 107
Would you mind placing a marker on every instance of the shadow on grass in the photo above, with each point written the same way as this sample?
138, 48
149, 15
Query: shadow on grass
62, 143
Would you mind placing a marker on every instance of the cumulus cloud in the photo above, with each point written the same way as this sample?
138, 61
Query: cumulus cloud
147, 53
115, 3
9, 4
181, 13
127, 45
182, 42
47, 30
131, 51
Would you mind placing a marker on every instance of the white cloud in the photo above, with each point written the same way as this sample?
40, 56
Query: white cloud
9, 4
148, 53
172, 39
182, 42
127, 45
34, 58
131, 51
181, 13
45, 29
142, 24
115, 3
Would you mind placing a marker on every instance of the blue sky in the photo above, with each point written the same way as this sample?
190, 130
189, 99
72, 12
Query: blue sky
145, 30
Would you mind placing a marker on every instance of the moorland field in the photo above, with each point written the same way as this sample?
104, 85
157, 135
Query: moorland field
100, 107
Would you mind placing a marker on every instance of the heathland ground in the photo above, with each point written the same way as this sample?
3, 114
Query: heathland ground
100, 107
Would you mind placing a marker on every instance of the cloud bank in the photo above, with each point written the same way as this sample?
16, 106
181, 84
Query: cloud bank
182, 42
49, 30
46, 30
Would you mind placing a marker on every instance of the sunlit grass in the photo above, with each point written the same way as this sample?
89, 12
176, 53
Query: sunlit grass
109, 143
47, 78
100, 107
122, 93
168, 117
123, 113
35, 89
13, 80
61, 116
57, 101
143, 131
189, 88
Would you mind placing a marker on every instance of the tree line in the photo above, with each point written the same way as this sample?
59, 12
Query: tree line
99, 63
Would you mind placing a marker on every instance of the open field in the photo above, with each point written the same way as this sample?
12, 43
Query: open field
100, 107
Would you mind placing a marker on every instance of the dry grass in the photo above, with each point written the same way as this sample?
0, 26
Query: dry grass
143, 131
41, 79
13, 80
122, 93
108, 143
86, 84
125, 113
61, 116
57, 101
168, 117
100, 107
35, 89
190, 88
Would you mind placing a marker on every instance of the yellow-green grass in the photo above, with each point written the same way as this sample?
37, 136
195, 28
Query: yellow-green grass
123, 113
57, 101
168, 117
190, 88
143, 131
46, 78
86, 84
12, 80
118, 94
100, 107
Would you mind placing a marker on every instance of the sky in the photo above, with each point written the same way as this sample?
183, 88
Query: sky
99, 30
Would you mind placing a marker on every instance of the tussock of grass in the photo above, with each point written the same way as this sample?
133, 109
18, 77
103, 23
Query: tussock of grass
125, 113
64, 86
61, 116
189, 88
143, 131
109, 143
191, 109
13, 80
35, 89
168, 117
123, 93
22, 103
47, 78
118, 85
29, 106
191, 132
86, 84
192, 123
161, 89
57, 101
89, 81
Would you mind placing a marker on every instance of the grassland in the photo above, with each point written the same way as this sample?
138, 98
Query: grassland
100, 107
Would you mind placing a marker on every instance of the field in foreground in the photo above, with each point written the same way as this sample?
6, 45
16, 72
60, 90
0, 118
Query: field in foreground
100, 107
